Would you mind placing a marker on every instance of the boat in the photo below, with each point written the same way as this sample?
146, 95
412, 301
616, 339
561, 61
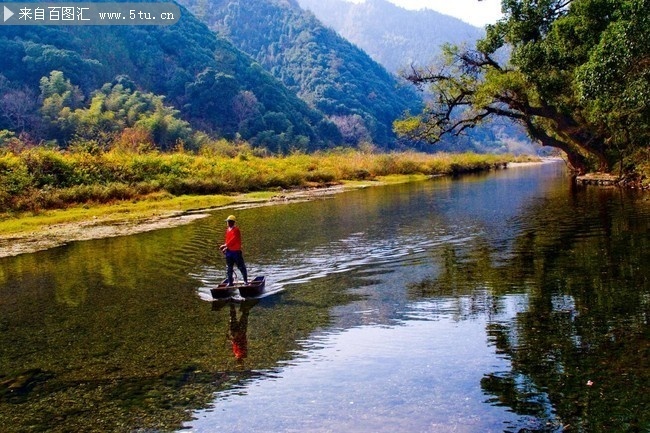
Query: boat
255, 287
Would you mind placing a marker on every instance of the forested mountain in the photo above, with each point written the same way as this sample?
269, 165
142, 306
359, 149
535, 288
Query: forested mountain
324, 69
399, 38
301, 85
216, 87
393, 36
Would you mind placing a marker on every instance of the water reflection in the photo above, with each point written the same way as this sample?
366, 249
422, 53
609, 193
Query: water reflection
487, 303
578, 350
237, 325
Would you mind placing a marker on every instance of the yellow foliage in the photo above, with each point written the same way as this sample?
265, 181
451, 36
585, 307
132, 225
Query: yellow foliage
407, 126
38, 179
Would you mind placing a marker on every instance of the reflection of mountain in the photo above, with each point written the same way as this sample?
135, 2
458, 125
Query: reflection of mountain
580, 346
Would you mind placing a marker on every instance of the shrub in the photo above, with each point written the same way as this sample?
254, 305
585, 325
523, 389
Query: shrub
48, 167
134, 140
14, 175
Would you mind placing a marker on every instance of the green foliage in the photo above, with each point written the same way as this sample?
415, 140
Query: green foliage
211, 97
41, 58
577, 80
175, 62
409, 126
112, 109
324, 69
614, 83
6, 138
59, 97
14, 179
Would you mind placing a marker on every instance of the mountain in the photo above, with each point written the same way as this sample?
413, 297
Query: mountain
328, 72
398, 38
216, 87
393, 36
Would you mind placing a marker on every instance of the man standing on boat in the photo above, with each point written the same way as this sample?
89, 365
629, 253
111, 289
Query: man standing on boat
232, 249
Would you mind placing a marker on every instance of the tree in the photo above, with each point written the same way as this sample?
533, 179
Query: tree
59, 97
39, 59
211, 97
57, 92
615, 81
551, 84
18, 108
352, 128
245, 106
114, 108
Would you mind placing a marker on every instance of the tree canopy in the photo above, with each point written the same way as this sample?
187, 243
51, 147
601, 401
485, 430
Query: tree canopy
111, 110
203, 79
577, 78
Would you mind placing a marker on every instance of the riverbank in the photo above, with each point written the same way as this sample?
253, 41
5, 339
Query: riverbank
57, 228
28, 232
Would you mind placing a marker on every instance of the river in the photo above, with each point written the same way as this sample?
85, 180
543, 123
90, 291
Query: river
504, 302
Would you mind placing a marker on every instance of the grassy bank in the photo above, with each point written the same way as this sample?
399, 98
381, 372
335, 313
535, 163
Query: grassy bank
40, 182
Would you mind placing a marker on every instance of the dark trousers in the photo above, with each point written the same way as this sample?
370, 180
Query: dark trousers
235, 258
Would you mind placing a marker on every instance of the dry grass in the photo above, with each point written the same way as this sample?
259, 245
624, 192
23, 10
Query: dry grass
37, 180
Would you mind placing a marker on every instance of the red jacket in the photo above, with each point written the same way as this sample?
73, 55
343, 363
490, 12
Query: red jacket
233, 239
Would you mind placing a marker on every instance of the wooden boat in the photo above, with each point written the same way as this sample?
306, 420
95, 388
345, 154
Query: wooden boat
254, 288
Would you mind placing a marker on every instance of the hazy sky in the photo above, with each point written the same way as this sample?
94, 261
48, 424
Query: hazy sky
478, 13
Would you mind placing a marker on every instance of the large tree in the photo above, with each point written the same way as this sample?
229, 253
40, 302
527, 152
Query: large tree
575, 73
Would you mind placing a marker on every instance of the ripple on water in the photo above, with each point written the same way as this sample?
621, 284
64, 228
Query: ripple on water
356, 252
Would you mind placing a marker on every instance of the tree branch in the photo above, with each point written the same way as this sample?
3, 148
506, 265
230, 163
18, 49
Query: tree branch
479, 60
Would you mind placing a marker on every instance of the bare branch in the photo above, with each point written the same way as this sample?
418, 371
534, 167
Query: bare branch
419, 77
479, 60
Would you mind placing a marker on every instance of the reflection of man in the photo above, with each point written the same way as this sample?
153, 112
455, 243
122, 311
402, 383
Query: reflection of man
237, 331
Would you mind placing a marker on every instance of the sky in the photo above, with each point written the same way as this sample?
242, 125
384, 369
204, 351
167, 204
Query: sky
475, 12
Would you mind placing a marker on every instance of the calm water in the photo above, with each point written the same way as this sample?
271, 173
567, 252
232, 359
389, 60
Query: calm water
508, 302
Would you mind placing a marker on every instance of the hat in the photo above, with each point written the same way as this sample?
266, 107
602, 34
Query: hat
231, 218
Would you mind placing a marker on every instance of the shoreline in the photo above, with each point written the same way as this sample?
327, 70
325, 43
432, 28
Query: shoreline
60, 234
121, 224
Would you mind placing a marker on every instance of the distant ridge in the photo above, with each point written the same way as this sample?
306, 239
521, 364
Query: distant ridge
393, 36
398, 38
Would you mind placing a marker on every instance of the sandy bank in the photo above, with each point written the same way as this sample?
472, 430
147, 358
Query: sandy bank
115, 225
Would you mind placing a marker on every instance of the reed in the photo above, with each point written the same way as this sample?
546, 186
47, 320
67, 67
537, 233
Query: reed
38, 179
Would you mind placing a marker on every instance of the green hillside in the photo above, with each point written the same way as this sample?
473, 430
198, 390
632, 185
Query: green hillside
327, 71
201, 77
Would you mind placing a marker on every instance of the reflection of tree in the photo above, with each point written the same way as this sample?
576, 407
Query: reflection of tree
579, 353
